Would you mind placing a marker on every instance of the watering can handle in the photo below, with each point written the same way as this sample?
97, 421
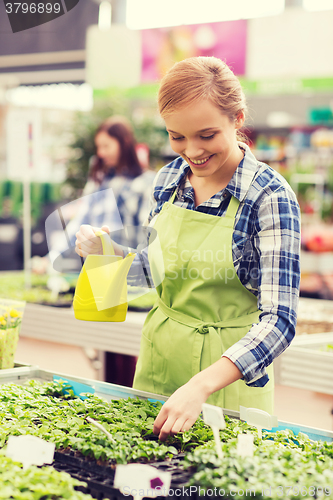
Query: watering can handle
106, 242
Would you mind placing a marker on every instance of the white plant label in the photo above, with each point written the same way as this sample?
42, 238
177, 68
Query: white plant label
30, 450
245, 445
141, 481
213, 416
258, 418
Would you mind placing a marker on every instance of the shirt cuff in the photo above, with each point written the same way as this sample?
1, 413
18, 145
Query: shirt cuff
248, 366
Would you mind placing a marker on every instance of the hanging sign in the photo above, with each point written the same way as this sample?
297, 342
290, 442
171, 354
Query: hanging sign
23, 143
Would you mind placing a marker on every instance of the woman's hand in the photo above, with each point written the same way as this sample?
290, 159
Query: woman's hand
87, 242
183, 407
180, 411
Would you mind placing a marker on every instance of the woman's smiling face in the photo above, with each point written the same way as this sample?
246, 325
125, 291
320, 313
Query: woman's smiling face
206, 139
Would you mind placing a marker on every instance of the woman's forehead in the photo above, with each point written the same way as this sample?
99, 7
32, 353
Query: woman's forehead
201, 116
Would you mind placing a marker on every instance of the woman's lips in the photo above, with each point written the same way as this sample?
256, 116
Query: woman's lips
200, 160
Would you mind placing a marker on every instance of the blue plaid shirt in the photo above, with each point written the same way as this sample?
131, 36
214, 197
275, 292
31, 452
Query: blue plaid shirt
265, 249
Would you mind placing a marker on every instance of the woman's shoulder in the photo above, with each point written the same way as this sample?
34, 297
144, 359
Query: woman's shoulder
90, 187
259, 185
269, 183
263, 179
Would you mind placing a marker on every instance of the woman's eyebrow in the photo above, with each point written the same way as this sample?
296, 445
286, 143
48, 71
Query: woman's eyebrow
172, 131
199, 131
206, 129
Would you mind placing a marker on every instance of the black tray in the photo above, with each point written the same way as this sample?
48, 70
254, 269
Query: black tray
99, 478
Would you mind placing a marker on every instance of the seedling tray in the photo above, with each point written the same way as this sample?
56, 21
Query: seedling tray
100, 480
98, 476
112, 391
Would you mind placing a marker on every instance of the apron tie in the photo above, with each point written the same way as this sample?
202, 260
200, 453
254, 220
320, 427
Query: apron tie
203, 326
203, 329
214, 337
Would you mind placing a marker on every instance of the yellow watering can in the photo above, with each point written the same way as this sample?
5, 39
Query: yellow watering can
101, 290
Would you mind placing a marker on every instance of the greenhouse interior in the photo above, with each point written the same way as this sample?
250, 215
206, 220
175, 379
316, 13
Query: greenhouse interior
158, 160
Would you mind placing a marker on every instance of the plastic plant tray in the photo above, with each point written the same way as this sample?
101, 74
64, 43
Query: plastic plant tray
100, 485
306, 365
98, 477
112, 391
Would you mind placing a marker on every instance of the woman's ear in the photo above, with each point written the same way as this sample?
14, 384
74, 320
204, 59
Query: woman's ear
239, 122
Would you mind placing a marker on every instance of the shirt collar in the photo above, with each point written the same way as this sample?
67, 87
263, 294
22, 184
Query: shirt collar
179, 179
243, 176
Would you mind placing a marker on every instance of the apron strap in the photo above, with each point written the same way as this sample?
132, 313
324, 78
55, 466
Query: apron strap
232, 207
202, 326
173, 196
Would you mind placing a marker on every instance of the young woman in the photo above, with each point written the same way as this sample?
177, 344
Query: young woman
229, 232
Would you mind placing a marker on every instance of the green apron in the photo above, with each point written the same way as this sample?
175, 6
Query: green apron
202, 307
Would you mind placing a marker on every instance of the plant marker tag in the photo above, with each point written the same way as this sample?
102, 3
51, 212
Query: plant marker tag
245, 445
30, 450
101, 428
259, 418
213, 416
141, 481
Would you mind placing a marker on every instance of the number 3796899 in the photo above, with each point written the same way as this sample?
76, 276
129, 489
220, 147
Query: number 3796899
32, 8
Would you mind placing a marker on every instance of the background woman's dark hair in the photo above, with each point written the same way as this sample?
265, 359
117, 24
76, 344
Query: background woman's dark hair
128, 164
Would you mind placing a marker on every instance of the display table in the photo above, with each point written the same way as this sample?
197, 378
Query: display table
54, 324
306, 364
59, 325
314, 316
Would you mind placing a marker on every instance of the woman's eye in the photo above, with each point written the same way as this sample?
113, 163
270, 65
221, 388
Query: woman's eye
207, 136
176, 138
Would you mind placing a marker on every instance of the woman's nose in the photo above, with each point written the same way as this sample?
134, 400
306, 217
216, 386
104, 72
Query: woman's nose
193, 151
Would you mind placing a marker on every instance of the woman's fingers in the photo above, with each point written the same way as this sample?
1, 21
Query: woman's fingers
178, 426
180, 411
172, 424
106, 229
87, 242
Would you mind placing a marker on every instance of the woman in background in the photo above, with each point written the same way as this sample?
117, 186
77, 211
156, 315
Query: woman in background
117, 194
116, 166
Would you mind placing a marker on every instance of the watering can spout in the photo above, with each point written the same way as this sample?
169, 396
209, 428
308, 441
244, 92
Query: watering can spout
101, 290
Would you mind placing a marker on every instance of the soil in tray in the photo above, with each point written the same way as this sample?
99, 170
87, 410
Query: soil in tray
97, 486
76, 459
100, 486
